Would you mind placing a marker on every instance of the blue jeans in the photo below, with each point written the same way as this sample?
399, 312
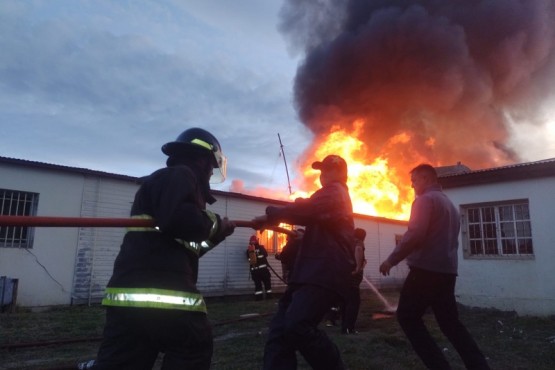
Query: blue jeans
295, 328
423, 289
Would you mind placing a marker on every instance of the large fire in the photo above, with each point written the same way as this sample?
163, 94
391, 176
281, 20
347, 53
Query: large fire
376, 187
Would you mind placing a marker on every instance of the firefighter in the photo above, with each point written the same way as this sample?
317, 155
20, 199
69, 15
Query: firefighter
153, 304
258, 262
288, 254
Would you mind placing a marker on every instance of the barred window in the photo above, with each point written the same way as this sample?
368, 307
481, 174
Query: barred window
497, 229
17, 203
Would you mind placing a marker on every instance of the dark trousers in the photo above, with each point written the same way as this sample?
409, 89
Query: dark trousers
423, 289
350, 310
295, 328
351, 305
261, 277
133, 337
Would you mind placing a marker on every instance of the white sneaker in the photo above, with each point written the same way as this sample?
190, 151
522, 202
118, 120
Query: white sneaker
86, 365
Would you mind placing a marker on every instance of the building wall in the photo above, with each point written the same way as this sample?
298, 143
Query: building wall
526, 286
98, 247
73, 265
379, 243
45, 272
225, 269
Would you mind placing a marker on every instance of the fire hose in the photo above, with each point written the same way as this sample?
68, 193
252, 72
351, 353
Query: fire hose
54, 221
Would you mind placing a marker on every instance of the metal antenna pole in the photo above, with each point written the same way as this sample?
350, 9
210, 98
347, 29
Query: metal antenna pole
285, 161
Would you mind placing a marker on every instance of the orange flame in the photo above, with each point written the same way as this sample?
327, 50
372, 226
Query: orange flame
376, 187
274, 241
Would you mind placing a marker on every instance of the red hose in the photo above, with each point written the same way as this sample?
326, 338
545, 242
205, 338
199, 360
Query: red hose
49, 221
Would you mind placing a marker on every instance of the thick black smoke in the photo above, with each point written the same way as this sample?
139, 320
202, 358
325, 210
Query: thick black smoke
450, 73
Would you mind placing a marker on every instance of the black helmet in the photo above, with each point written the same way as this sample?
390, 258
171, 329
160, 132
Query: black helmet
199, 141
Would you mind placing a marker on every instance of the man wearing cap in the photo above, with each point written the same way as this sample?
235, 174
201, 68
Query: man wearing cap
258, 262
321, 274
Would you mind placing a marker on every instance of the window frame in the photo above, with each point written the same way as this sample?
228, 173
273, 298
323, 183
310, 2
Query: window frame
499, 231
18, 203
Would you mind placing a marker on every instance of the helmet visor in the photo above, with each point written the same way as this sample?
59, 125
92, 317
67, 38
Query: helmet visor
219, 172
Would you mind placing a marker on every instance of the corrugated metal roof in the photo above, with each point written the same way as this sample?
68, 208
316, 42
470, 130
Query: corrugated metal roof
512, 172
49, 166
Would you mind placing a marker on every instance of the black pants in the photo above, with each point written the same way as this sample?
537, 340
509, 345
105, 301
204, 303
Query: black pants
133, 337
351, 305
423, 289
261, 277
295, 328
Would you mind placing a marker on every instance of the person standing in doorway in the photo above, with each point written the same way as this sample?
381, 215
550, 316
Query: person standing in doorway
430, 248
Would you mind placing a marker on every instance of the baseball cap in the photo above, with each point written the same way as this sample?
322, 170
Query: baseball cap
331, 162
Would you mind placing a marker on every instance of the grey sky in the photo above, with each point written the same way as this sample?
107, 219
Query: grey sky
103, 84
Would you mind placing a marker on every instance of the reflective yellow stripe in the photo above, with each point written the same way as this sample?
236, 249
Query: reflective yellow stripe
202, 143
192, 246
154, 298
214, 220
142, 217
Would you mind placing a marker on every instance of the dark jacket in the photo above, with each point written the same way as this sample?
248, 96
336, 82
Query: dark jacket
166, 258
326, 254
261, 257
289, 252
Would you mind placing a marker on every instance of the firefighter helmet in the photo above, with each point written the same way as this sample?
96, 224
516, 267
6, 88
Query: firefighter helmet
195, 141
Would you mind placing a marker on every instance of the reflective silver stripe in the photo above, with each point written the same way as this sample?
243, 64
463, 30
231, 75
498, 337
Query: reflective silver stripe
154, 298
151, 297
259, 267
194, 246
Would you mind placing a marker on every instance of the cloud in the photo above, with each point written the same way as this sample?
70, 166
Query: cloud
103, 85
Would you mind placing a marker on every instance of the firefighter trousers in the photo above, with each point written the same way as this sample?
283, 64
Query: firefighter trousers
133, 338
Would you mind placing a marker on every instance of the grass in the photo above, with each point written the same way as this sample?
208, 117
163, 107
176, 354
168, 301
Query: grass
510, 342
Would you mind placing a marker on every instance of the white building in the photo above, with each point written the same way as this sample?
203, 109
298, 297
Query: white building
70, 265
507, 259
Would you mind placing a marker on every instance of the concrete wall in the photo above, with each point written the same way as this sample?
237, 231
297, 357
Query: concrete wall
525, 285
45, 272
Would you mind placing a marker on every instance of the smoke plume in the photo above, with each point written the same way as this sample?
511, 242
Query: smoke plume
446, 76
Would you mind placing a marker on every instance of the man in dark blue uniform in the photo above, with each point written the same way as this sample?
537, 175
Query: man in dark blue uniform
321, 274
153, 304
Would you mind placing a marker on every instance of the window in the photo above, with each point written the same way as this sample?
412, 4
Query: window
497, 229
17, 203
273, 241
